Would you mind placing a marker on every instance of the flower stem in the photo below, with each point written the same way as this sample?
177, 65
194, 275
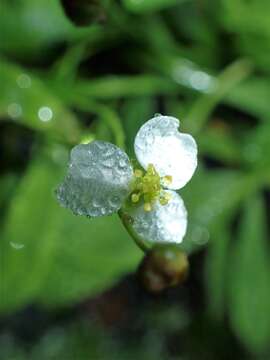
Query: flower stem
127, 222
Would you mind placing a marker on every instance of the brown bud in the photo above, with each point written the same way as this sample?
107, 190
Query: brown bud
163, 267
84, 12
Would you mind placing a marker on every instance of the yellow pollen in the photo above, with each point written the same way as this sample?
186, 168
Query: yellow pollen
164, 198
138, 173
167, 179
135, 198
147, 207
148, 187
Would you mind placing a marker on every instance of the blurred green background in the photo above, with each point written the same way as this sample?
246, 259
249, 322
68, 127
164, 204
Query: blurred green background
65, 292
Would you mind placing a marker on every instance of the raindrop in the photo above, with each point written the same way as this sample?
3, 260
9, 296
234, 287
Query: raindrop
24, 81
96, 203
122, 163
201, 81
14, 110
16, 246
113, 201
45, 113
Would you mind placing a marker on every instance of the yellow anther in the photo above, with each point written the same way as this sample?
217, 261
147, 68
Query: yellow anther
167, 179
135, 198
147, 186
151, 170
165, 198
147, 207
138, 173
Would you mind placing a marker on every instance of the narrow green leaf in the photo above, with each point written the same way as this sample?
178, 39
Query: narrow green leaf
216, 269
149, 5
26, 100
113, 87
249, 279
211, 196
235, 73
28, 238
92, 255
47, 253
251, 96
135, 112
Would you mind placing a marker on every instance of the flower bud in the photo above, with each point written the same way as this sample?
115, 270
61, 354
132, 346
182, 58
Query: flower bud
163, 267
84, 12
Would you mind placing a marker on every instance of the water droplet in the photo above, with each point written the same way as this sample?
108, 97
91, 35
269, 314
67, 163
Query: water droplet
45, 113
149, 141
24, 81
114, 200
122, 163
96, 203
16, 246
14, 110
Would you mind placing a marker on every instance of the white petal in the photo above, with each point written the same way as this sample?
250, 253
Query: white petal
97, 181
164, 224
159, 142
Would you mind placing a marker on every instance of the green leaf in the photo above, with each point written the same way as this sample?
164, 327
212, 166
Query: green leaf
29, 237
26, 100
254, 16
7, 184
249, 279
113, 87
149, 5
49, 254
216, 269
105, 114
211, 196
135, 113
251, 96
219, 144
91, 256
200, 111
29, 27
256, 148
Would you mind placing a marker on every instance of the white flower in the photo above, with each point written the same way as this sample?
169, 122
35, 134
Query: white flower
101, 180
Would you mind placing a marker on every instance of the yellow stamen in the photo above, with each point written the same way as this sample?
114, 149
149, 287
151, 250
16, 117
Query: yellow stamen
138, 173
147, 186
167, 179
135, 198
165, 198
147, 207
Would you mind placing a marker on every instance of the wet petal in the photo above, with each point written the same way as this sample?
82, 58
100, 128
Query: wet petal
172, 153
97, 181
165, 223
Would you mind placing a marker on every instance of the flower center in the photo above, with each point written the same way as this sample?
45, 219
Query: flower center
147, 186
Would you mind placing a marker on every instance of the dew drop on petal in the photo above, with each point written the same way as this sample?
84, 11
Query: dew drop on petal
96, 184
163, 224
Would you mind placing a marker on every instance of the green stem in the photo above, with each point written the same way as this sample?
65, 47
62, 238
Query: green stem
127, 222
